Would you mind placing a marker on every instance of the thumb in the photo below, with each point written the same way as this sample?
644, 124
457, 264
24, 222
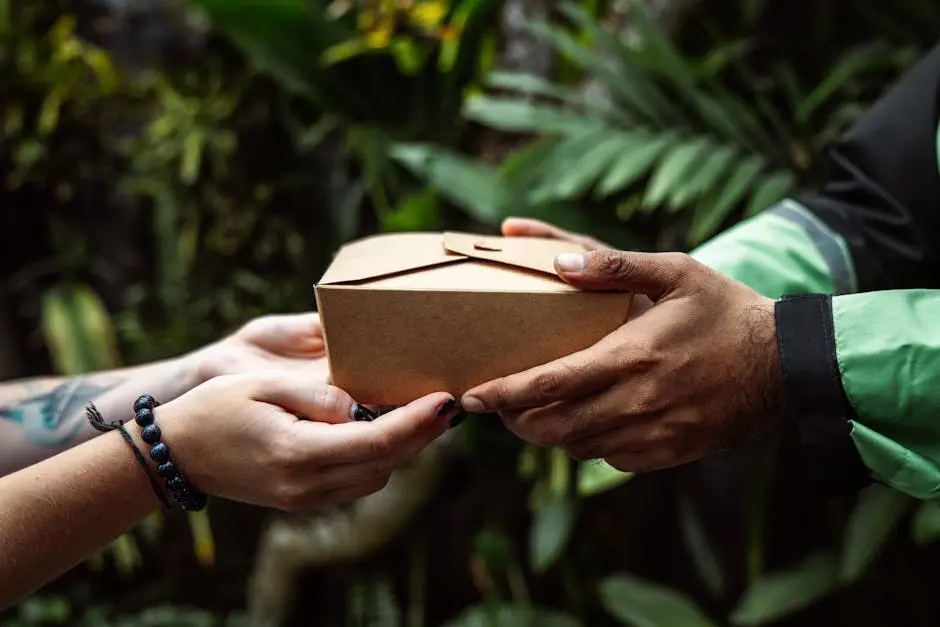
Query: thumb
295, 392
653, 274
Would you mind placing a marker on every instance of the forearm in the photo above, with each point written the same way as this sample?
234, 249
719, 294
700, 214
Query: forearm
42, 417
862, 373
57, 513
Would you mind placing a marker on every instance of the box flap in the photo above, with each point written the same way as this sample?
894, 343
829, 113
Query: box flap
533, 253
390, 253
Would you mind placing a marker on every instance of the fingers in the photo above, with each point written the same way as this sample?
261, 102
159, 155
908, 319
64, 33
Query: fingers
529, 227
287, 334
299, 393
653, 274
569, 377
396, 437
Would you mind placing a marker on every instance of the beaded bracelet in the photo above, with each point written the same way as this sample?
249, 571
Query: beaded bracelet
97, 421
186, 496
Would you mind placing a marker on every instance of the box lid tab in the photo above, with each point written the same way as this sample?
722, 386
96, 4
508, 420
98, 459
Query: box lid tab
532, 253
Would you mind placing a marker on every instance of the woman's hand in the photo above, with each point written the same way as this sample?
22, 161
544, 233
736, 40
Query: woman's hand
239, 437
282, 342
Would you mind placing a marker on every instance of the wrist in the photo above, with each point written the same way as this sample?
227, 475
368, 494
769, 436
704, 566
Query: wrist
772, 395
164, 431
198, 367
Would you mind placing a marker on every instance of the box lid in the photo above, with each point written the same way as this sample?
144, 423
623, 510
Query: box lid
383, 255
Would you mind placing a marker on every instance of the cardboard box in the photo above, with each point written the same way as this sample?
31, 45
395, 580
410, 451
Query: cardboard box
408, 314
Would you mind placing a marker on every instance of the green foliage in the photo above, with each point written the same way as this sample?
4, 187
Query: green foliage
776, 595
296, 41
659, 130
875, 517
46, 611
242, 183
644, 604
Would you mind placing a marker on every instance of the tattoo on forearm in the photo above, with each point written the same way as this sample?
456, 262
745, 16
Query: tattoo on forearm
54, 416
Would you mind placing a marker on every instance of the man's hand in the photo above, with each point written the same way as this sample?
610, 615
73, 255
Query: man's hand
281, 342
529, 227
694, 374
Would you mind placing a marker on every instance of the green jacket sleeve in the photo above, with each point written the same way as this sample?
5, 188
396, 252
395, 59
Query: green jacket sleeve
887, 347
856, 271
785, 250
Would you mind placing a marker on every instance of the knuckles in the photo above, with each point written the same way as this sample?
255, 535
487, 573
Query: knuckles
284, 453
380, 445
548, 385
610, 264
292, 496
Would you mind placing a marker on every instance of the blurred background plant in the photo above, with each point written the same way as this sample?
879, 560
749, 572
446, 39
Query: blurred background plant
171, 171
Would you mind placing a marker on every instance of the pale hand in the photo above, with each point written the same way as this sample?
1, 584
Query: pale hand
283, 342
239, 437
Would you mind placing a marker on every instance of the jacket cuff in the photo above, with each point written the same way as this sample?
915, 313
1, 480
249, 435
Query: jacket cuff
817, 404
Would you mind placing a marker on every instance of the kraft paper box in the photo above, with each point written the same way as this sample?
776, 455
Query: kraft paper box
408, 314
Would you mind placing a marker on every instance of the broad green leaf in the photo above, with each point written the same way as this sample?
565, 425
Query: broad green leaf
532, 85
598, 476
551, 531
674, 171
641, 603
565, 156
876, 515
635, 162
475, 188
519, 116
925, 528
703, 553
772, 190
511, 616
777, 595
79, 331
706, 176
522, 169
710, 214
585, 172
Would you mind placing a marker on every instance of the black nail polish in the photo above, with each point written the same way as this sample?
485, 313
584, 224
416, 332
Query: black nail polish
446, 408
456, 420
362, 414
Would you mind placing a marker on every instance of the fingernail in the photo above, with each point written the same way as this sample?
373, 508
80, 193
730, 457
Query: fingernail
456, 420
473, 405
362, 414
446, 408
570, 262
